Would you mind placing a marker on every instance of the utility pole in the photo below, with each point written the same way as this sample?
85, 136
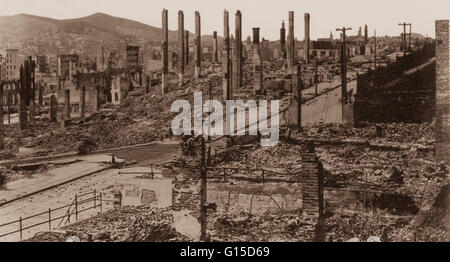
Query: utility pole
8, 101
203, 205
410, 35
344, 65
208, 161
31, 86
316, 78
375, 49
404, 36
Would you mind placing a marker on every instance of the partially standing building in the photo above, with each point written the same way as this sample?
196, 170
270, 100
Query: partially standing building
67, 66
12, 64
132, 59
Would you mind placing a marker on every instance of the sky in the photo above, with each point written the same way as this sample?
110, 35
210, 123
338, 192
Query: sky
326, 15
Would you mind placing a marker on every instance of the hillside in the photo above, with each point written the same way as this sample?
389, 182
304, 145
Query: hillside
35, 34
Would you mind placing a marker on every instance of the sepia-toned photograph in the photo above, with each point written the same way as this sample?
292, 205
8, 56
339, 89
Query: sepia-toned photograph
224, 121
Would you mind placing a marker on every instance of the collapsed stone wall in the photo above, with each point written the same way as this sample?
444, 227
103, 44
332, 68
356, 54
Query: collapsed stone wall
186, 196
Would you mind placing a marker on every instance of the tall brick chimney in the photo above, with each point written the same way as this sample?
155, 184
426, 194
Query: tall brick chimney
312, 183
442, 91
283, 40
181, 49
306, 42
165, 51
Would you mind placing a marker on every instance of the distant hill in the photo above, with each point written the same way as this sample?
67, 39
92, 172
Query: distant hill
35, 34
417, 35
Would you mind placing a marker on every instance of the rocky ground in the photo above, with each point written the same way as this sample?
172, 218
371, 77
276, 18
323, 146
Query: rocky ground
139, 119
268, 228
127, 224
396, 158
413, 205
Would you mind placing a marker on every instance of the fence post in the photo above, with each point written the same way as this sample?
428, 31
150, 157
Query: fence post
153, 175
49, 219
20, 227
95, 198
76, 207
263, 180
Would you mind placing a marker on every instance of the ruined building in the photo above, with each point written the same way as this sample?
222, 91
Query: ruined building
390, 95
12, 64
132, 59
67, 66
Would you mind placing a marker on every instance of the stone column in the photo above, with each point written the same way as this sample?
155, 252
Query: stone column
41, 95
82, 101
67, 104
22, 112
8, 103
215, 54
198, 47
33, 89
294, 116
181, 58
165, 51
237, 52
29, 88
226, 63
174, 60
233, 62
283, 40
291, 43
344, 72
257, 63
52, 113
241, 46
148, 83
186, 46
442, 91
31, 113
306, 40
96, 99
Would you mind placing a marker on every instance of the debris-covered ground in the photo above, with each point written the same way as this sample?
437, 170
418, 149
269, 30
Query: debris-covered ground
139, 119
127, 224
395, 160
401, 175
268, 228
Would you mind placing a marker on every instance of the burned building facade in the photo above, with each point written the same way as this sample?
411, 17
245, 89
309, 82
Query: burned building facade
12, 64
132, 59
67, 66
